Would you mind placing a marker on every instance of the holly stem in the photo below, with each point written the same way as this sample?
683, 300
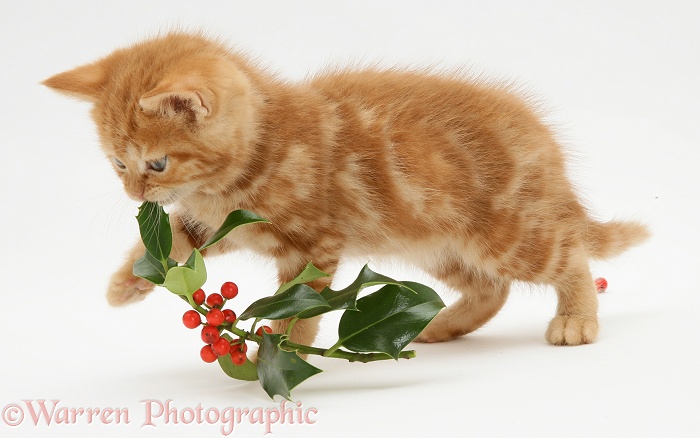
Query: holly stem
335, 351
235, 330
330, 351
196, 307
342, 354
291, 325
252, 327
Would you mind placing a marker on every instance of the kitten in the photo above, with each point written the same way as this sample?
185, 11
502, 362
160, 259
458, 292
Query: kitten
456, 176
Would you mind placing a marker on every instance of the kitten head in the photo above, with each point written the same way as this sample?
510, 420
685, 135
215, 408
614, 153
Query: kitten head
175, 114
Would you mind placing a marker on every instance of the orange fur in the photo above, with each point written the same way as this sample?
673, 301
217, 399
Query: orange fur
457, 176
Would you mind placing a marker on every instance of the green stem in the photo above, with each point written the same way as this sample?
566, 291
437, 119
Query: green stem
342, 354
291, 325
252, 327
196, 307
235, 330
329, 352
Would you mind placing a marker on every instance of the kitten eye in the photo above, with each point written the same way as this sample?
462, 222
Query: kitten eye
119, 164
159, 165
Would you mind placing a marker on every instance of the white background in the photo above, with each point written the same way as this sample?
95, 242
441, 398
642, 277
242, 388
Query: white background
620, 82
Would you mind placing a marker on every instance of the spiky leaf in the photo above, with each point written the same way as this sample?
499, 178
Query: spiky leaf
309, 274
299, 298
151, 269
346, 298
232, 221
388, 319
185, 279
281, 371
154, 226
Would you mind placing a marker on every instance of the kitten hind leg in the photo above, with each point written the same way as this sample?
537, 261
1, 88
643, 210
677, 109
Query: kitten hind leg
481, 298
576, 321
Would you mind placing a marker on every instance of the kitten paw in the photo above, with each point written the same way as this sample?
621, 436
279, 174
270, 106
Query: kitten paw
126, 289
438, 333
572, 330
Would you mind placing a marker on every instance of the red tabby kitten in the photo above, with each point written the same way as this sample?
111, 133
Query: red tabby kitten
459, 177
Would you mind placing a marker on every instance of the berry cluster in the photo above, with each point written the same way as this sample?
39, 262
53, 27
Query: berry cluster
216, 345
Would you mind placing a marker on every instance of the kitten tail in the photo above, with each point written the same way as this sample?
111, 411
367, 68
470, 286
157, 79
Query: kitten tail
605, 240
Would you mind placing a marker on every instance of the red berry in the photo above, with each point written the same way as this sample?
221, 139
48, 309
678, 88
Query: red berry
261, 328
221, 347
215, 317
229, 315
238, 358
229, 290
191, 319
239, 345
207, 354
215, 300
210, 334
601, 284
198, 297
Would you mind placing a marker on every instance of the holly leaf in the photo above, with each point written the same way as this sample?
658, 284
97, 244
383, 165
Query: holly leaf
151, 269
346, 298
185, 279
154, 226
281, 371
299, 298
388, 319
232, 221
248, 371
309, 274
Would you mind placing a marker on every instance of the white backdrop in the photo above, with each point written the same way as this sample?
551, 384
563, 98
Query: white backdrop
620, 82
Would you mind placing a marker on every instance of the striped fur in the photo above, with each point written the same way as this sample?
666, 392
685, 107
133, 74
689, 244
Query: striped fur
457, 176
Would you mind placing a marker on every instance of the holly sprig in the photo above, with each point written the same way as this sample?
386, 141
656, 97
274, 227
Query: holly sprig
377, 326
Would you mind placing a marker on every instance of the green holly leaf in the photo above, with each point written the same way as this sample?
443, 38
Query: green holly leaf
232, 221
154, 225
299, 298
281, 371
309, 274
388, 319
346, 298
185, 279
151, 269
248, 371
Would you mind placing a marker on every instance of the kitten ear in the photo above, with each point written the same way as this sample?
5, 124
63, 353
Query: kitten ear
85, 82
172, 98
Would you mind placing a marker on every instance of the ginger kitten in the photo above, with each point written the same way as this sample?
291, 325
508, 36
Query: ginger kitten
456, 176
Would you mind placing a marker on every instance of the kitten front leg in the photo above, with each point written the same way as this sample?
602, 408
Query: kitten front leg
304, 330
125, 288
